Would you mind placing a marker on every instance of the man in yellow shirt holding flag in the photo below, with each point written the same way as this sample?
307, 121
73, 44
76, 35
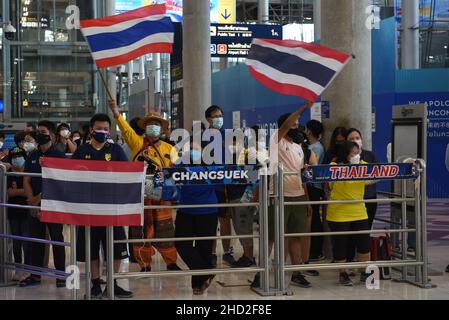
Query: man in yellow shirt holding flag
157, 154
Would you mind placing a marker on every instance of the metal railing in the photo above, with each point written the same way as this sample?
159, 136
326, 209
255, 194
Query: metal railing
279, 267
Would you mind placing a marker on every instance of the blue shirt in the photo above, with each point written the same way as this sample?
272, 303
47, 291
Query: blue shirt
32, 165
109, 152
318, 149
198, 194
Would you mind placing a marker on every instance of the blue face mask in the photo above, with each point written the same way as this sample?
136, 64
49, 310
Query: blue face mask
153, 130
217, 123
195, 156
18, 162
100, 136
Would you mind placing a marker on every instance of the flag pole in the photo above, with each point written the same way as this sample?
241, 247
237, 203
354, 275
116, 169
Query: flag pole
103, 80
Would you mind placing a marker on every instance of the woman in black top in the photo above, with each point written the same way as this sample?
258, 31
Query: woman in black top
338, 137
18, 217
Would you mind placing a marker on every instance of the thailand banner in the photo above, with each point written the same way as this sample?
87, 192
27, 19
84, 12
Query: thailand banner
380, 171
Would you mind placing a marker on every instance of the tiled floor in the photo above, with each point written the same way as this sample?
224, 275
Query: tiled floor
324, 287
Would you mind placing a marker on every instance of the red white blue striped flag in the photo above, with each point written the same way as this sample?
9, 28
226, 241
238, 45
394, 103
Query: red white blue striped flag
92, 193
121, 38
294, 67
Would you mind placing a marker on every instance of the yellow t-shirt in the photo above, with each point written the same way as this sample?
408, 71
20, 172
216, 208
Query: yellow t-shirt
162, 158
347, 190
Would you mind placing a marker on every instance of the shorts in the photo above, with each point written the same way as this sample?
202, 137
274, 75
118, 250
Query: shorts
340, 243
97, 239
242, 220
295, 217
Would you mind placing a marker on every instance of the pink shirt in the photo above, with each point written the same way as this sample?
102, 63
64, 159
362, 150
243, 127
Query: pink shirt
292, 157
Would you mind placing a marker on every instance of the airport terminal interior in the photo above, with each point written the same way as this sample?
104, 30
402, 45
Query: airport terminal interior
379, 66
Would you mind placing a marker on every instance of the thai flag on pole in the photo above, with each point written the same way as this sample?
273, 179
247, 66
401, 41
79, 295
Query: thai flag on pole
92, 193
121, 38
294, 67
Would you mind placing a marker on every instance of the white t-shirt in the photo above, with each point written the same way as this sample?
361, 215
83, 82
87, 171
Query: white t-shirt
291, 156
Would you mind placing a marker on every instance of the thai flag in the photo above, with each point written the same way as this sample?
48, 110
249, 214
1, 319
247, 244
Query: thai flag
294, 67
92, 193
121, 38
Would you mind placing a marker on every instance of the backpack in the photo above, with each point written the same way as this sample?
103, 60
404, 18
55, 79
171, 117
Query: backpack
380, 248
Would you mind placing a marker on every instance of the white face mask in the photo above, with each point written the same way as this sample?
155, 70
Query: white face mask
29, 147
359, 142
355, 159
65, 133
1, 144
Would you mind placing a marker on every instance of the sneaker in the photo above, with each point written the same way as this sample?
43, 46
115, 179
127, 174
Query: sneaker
95, 292
145, 269
411, 250
244, 262
214, 260
364, 276
119, 292
229, 259
447, 268
317, 258
30, 281
60, 283
256, 281
300, 281
344, 280
173, 267
312, 273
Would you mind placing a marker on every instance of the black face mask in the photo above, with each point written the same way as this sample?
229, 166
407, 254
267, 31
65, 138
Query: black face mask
296, 135
42, 139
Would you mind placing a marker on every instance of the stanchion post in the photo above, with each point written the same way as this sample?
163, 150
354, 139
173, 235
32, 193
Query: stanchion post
110, 261
88, 264
418, 226
73, 256
280, 225
423, 202
3, 227
265, 278
404, 226
276, 249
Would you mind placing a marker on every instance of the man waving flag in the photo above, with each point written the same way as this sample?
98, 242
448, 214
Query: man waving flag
294, 67
121, 38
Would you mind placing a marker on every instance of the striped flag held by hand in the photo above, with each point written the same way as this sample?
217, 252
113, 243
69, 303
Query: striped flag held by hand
294, 67
121, 38
92, 193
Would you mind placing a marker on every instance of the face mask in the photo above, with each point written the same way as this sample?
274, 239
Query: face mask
296, 135
195, 155
359, 142
43, 139
76, 138
217, 123
18, 162
153, 131
29, 147
1, 144
355, 159
64, 133
100, 135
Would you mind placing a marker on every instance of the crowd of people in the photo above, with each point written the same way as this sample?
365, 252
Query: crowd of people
147, 140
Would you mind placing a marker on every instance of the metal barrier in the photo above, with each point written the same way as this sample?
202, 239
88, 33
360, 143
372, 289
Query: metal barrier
5, 265
420, 262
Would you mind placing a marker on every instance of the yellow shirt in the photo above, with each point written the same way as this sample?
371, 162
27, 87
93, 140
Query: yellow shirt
163, 157
347, 190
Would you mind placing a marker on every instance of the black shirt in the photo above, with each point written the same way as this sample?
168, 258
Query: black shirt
109, 152
33, 165
16, 213
369, 157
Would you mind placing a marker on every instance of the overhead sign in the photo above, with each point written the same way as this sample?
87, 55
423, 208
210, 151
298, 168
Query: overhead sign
226, 11
381, 171
234, 40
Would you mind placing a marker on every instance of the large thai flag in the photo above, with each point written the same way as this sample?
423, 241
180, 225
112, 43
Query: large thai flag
92, 193
294, 67
121, 38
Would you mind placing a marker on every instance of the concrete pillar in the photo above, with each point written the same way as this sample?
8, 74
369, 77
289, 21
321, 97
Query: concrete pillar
410, 34
263, 12
156, 71
196, 60
142, 68
130, 72
317, 19
6, 52
344, 28
112, 72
